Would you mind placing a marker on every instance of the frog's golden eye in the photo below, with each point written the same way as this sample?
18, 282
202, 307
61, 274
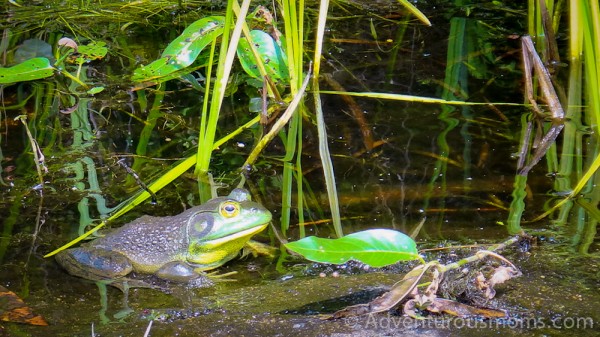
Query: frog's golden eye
229, 209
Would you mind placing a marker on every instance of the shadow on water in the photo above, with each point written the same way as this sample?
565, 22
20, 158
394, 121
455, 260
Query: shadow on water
455, 165
332, 305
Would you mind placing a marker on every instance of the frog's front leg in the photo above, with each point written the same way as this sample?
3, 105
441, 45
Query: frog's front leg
182, 272
94, 263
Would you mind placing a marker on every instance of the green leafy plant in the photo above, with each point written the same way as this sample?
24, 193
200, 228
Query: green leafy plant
41, 67
375, 247
272, 55
30, 70
182, 51
263, 57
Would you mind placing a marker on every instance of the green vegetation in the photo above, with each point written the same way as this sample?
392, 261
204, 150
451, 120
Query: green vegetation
349, 121
271, 59
375, 247
575, 175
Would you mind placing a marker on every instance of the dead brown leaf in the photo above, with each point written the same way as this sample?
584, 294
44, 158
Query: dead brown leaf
13, 309
500, 275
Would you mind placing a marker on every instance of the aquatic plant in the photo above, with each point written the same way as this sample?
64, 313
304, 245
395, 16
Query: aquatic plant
573, 176
276, 64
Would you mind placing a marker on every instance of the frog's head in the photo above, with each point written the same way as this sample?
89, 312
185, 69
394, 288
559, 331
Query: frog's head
221, 227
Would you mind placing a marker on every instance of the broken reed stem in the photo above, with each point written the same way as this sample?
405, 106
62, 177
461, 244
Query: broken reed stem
481, 254
281, 122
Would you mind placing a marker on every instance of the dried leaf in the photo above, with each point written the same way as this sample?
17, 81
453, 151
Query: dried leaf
533, 62
13, 309
462, 310
423, 301
390, 299
503, 274
410, 309
499, 276
436, 279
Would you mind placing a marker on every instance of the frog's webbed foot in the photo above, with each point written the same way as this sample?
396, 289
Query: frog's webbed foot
209, 279
181, 272
200, 282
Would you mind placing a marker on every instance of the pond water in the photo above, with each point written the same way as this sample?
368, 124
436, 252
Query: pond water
452, 165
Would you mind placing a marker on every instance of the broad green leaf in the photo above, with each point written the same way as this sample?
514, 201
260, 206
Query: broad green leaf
184, 75
91, 51
375, 247
271, 54
182, 51
32, 69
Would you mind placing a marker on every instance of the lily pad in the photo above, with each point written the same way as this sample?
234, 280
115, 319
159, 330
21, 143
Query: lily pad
375, 247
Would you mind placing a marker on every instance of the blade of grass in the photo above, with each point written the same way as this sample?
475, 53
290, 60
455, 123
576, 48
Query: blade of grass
226, 58
416, 12
575, 192
410, 98
293, 19
321, 126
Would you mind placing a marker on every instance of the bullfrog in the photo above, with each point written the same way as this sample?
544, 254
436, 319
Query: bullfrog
175, 248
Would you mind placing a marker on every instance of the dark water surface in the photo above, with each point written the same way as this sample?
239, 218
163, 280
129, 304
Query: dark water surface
453, 165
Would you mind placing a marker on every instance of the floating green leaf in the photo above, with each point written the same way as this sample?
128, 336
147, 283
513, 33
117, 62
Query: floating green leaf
182, 51
272, 56
32, 69
375, 247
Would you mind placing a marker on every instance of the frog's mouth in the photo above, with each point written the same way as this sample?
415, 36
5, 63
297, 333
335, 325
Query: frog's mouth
213, 253
241, 237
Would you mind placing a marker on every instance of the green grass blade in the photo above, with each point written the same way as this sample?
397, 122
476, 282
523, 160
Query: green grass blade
410, 98
415, 11
328, 170
226, 58
161, 182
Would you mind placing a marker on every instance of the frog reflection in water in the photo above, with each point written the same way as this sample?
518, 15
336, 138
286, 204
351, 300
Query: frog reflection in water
174, 248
